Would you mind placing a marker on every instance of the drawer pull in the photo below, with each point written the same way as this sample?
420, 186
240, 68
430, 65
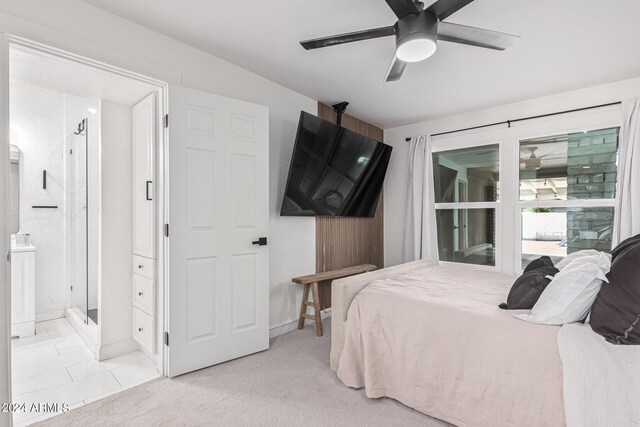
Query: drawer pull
139, 294
140, 266
139, 329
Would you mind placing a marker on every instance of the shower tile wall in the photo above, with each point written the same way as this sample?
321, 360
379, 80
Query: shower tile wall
37, 128
41, 121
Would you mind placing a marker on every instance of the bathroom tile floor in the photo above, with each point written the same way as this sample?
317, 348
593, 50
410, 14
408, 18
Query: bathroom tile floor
55, 366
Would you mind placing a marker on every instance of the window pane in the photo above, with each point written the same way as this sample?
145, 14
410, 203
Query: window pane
466, 175
467, 235
560, 231
572, 166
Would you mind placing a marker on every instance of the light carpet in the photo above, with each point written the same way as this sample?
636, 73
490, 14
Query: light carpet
288, 385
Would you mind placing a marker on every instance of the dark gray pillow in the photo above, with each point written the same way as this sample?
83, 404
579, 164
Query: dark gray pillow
543, 261
616, 311
526, 290
631, 241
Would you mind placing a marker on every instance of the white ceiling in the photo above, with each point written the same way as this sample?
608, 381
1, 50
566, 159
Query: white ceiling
53, 73
566, 44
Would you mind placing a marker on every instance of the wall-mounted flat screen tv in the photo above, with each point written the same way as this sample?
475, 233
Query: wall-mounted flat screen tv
334, 171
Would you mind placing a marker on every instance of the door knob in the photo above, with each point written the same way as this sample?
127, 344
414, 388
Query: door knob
139, 294
262, 241
140, 265
139, 329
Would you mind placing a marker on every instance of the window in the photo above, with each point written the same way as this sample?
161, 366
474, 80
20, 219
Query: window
567, 193
466, 199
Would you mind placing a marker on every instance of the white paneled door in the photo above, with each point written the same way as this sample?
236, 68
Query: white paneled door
218, 210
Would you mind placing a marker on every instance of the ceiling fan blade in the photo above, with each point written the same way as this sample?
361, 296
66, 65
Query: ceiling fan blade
348, 37
445, 8
473, 36
395, 70
403, 8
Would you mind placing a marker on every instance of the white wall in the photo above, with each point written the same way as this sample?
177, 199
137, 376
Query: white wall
106, 37
395, 185
117, 228
37, 129
549, 226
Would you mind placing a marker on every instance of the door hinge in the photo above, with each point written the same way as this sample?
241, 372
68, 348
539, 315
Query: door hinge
166, 339
72, 288
166, 120
166, 230
9, 256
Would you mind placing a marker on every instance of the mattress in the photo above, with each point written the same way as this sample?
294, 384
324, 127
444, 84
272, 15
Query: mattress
435, 340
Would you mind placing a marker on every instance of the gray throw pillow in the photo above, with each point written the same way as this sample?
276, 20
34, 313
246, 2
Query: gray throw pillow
616, 311
543, 261
526, 290
627, 243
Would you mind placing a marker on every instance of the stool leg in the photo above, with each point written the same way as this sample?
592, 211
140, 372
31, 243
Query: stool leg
316, 306
303, 307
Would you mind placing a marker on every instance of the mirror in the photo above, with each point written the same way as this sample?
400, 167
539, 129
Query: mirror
14, 187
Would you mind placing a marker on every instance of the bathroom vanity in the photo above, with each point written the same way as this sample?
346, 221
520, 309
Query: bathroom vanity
23, 288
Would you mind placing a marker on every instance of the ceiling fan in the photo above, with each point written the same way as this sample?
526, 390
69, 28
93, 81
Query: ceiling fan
533, 161
417, 32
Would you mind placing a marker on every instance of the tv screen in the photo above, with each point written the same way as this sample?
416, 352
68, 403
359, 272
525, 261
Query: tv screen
334, 171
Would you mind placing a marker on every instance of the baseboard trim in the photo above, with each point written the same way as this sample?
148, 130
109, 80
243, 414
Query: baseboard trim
43, 317
22, 330
88, 333
116, 349
292, 325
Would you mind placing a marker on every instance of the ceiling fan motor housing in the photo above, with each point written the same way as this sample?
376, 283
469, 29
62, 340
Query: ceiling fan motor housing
422, 27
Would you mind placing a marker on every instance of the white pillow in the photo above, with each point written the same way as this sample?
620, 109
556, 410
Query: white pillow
570, 295
586, 252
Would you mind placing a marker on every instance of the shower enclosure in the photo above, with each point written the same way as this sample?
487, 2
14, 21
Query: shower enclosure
82, 220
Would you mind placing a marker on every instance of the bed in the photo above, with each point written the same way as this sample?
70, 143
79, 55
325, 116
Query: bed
432, 337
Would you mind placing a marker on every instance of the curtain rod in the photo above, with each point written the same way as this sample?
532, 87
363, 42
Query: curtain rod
508, 122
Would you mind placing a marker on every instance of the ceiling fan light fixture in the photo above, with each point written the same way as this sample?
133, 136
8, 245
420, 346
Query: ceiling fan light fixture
417, 32
416, 49
416, 37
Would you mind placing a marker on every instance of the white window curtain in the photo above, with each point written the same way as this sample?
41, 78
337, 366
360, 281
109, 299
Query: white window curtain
419, 238
627, 209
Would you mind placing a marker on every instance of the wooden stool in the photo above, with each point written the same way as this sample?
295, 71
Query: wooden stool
315, 303
311, 282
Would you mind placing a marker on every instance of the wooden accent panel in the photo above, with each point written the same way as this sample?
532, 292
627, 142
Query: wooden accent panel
344, 242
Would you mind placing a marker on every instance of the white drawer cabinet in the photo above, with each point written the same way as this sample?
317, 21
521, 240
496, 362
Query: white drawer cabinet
144, 266
145, 226
144, 330
144, 294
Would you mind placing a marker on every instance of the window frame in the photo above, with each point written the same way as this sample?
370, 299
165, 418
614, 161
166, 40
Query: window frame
577, 203
508, 251
436, 147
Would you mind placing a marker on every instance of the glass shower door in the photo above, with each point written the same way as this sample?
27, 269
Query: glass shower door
77, 220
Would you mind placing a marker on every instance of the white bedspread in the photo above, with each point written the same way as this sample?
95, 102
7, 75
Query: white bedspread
435, 340
601, 380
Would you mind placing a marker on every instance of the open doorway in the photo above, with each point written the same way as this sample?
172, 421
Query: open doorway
86, 211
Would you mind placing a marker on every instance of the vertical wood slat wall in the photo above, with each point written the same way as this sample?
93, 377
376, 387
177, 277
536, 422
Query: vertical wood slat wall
343, 242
